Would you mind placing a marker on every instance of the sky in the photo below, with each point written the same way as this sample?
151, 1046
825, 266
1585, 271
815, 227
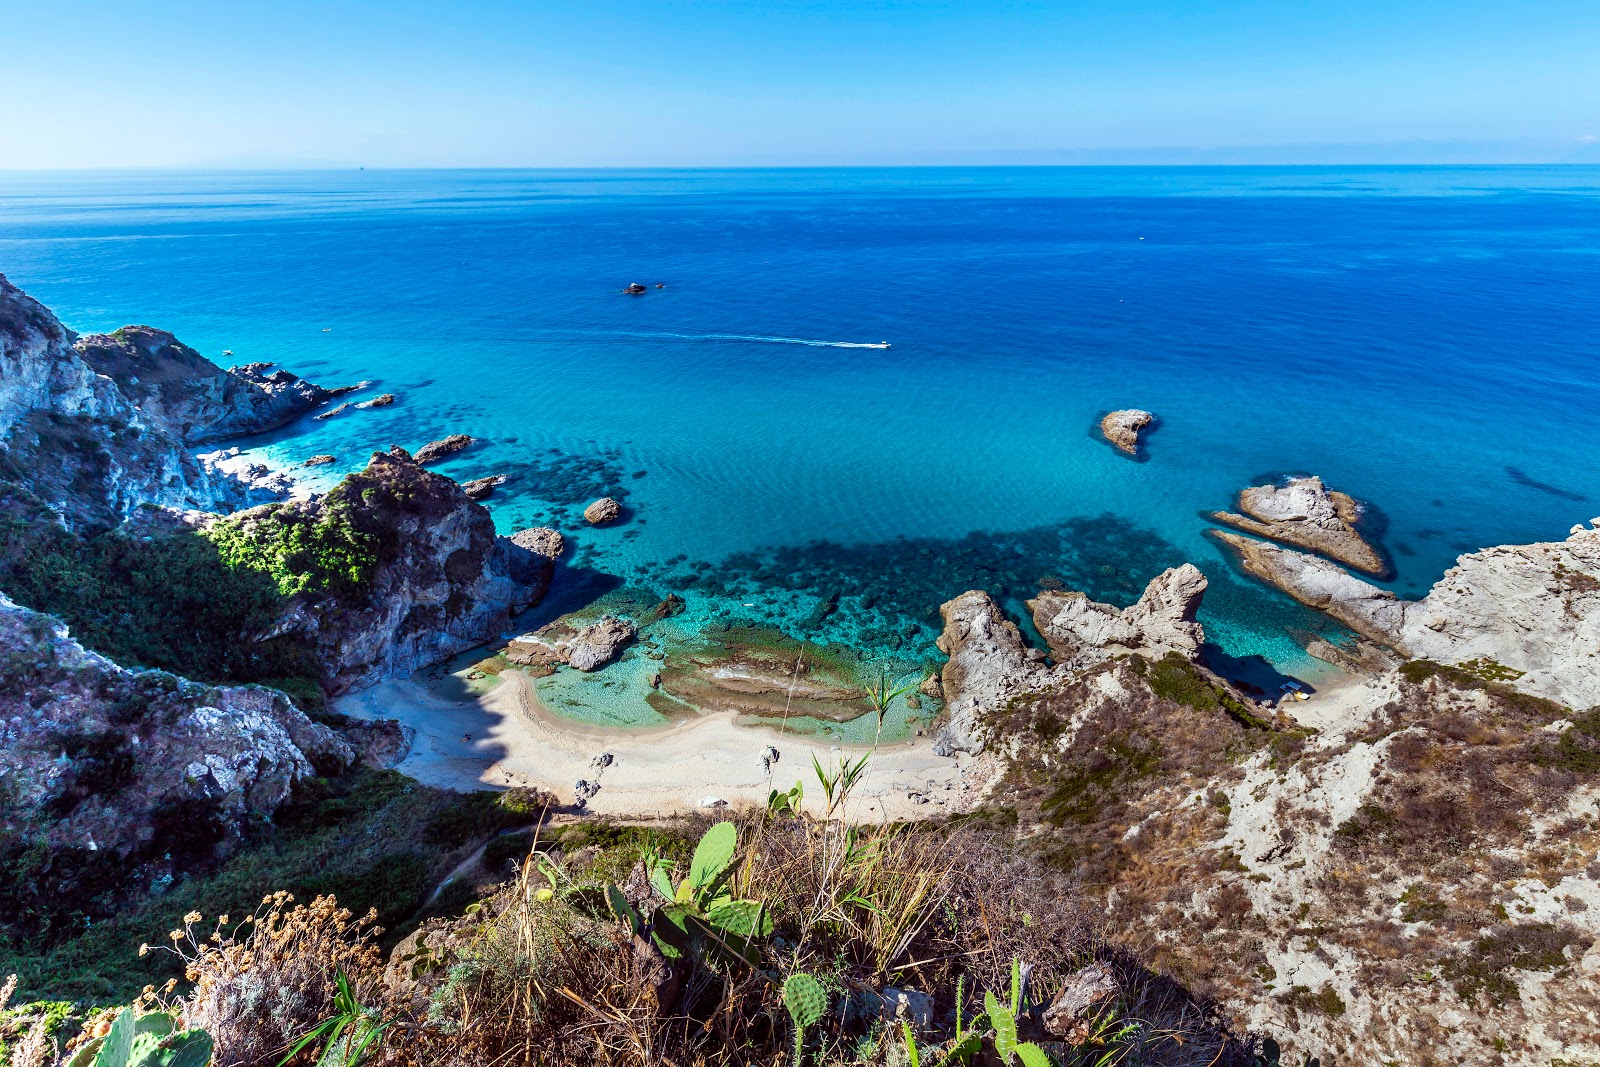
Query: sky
482, 83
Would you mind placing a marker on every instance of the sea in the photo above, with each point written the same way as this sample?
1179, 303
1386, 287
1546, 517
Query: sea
848, 395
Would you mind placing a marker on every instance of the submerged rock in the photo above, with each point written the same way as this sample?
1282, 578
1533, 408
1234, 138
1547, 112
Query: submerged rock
1305, 513
1122, 428
434, 451
602, 511
1081, 632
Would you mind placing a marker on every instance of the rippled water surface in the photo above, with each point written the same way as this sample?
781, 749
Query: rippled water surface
1427, 339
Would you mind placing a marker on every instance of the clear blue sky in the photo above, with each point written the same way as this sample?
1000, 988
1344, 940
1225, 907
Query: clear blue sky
388, 83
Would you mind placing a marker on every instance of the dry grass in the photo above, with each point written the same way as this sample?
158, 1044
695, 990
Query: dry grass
542, 975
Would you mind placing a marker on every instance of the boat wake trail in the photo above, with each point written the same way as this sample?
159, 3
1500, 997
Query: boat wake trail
753, 338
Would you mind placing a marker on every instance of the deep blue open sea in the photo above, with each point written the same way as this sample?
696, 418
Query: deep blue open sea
1427, 339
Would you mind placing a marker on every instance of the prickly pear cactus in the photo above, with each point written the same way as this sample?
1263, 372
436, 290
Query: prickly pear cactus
743, 919
145, 1041
712, 855
807, 1003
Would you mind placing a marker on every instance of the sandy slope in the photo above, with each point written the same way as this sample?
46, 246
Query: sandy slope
505, 737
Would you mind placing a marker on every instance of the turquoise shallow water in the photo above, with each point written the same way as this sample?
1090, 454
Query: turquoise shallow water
1424, 338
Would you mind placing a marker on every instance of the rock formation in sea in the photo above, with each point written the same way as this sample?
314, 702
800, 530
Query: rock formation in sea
541, 541
586, 648
1081, 633
406, 570
1534, 609
1307, 514
483, 488
190, 397
434, 451
602, 511
1123, 428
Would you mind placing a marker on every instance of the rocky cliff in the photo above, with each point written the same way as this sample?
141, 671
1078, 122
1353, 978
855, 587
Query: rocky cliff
114, 778
393, 570
191, 398
1533, 610
72, 440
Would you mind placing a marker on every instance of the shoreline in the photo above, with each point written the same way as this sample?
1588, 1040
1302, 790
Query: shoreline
505, 738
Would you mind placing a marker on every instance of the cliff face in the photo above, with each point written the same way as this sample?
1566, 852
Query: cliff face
1534, 609
123, 776
406, 570
72, 439
187, 395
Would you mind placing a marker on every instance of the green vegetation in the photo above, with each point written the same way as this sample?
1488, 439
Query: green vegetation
1486, 966
1176, 679
164, 599
1086, 789
330, 553
1489, 679
148, 1040
1578, 747
363, 838
1325, 1001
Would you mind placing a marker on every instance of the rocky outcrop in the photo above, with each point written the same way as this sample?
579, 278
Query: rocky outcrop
434, 451
413, 572
586, 649
71, 440
320, 460
602, 511
988, 666
141, 768
1532, 608
245, 482
1081, 632
483, 488
190, 397
383, 400
1305, 513
541, 541
1123, 428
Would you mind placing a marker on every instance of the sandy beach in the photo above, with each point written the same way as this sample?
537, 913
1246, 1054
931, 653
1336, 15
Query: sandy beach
504, 737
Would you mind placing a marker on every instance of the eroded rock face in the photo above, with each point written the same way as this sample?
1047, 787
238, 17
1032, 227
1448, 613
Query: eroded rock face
483, 488
1122, 428
434, 451
1532, 608
1305, 513
190, 397
442, 581
73, 441
1081, 632
988, 665
140, 765
602, 511
541, 541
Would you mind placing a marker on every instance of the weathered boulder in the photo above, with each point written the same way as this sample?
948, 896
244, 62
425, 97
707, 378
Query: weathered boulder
1081, 632
541, 541
190, 397
320, 460
1122, 428
411, 572
482, 488
434, 451
1532, 608
599, 643
1305, 513
602, 511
